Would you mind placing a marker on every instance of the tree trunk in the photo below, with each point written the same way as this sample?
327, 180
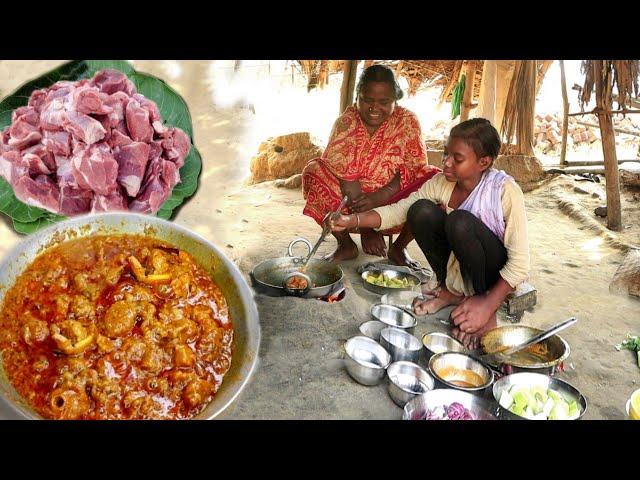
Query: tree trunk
604, 101
565, 115
614, 214
469, 70
348, 84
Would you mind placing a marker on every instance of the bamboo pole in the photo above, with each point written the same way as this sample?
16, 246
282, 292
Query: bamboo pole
615, 129
565, 116
542, 71
469, 70
595, 111
453, 81
348, 83
603, 102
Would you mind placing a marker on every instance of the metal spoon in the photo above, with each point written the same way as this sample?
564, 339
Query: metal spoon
325, 230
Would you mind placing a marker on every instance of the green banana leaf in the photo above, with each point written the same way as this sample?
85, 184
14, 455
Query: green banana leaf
173, 109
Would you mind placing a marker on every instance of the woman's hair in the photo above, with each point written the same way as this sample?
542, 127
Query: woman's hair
480, 135
379, 73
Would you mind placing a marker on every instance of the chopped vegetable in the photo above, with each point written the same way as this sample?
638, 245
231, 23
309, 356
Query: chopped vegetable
538, 403
455, 411
384, 280
632, 343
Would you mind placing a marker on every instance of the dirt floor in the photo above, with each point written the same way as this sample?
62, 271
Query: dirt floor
572, 266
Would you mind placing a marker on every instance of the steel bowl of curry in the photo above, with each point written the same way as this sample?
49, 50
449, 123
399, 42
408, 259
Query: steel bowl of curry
461, 371
122, 316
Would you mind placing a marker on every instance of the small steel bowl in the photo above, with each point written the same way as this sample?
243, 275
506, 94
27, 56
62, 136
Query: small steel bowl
372, 329
391, 274
366, 360
401, 345
459, 361
402, 299
406, 381
394, 317
480, 408
436, 342
537, 379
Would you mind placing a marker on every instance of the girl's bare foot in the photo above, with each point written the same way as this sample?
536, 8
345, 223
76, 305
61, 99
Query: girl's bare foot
398, 256
442, 298
472, 341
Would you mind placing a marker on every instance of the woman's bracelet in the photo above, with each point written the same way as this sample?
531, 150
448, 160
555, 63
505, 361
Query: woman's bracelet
357, 221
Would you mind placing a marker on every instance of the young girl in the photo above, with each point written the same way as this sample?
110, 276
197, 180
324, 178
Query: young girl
470, 223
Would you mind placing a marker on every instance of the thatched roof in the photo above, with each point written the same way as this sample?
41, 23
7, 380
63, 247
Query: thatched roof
610, 74
418, 73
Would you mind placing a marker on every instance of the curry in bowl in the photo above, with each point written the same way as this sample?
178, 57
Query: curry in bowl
115, 327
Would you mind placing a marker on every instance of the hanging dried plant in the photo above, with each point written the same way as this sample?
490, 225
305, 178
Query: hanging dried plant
520, 107
604, 76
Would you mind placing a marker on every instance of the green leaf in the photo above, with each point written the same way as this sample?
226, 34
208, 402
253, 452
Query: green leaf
173, 109
94, 66
14, 208
30, 227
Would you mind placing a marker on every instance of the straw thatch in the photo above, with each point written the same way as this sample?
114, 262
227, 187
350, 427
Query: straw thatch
418, 73
318, 71
619, 74
520, 107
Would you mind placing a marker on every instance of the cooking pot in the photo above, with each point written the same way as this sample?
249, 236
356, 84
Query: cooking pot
272, 276
237, 292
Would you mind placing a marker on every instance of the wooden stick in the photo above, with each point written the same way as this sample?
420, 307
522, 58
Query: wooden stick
604, 102
541, 73
595, 111
453, 81
565, 117
348, 83
469, 70
615, 129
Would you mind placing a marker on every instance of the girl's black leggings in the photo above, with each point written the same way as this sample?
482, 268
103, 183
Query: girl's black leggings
481, 254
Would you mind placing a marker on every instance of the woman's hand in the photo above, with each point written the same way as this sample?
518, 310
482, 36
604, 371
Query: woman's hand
341, 222
365, 202
472, 314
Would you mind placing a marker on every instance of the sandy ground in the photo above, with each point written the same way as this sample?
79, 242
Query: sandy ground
572, 266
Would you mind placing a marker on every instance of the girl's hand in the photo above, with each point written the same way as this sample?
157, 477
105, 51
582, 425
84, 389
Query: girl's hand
472, 314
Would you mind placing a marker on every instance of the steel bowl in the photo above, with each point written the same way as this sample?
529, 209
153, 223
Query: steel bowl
437, 342
480, 408
402, 299
545, 381
237, 292
555, 348
456, 361
391, 274
372, 329
401, 345
394, 317
366, 360
406, 381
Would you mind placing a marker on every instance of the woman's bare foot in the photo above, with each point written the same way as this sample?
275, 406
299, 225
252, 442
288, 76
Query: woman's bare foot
398, 256
373, 242
347, 249
472, 341
442, 298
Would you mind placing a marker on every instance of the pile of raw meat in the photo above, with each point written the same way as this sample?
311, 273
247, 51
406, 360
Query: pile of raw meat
92, 146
